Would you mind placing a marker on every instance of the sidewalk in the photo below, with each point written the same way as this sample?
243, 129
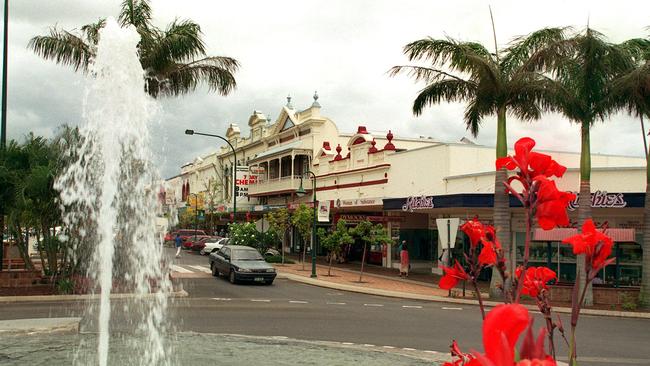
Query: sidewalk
373, 283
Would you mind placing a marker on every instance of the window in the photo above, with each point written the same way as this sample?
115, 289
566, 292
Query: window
287, 124
304, 132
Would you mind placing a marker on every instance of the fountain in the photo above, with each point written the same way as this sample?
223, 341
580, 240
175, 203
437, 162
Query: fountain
107, 197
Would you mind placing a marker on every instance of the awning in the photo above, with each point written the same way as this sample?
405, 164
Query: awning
559, 234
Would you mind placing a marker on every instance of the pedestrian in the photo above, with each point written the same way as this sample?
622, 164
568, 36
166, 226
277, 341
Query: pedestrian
404, 263
179, 243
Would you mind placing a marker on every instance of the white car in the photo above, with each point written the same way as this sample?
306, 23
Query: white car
214, 246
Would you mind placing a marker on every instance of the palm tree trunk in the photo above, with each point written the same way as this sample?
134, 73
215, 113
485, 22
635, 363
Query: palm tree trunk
501, 206
584, 205
644, 294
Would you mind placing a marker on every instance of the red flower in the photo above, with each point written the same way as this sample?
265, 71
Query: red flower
501, 330
535, 280
452, 276
530, 164
475, 230
595, 245
551, 204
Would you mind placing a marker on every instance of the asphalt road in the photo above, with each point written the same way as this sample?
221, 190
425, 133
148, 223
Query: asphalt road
301, 311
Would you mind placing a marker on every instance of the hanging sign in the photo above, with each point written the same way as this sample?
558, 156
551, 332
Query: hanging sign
324, 211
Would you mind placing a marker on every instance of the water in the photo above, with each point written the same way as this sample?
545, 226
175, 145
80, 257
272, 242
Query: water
109, 199
207, 349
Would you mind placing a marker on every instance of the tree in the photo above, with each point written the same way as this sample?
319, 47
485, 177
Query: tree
302, 219
334, 240
369, 234
584, 66
279, 222
631, 91
498, 83
174, 59
243, 234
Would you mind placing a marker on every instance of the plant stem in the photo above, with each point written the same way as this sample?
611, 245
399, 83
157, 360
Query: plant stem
478, 296
520, 280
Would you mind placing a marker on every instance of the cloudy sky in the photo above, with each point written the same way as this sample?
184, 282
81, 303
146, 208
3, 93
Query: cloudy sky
341, 48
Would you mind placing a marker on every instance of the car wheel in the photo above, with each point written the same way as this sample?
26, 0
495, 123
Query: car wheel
215, 271
232, 278
269, 282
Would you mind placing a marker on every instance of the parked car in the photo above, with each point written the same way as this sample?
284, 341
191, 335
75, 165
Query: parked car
213, 246
188, 233
189, 242
200, 243
241, 263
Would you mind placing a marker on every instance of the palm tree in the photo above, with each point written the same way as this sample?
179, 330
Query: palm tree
631, 91
584, 66
491, 85
174, 59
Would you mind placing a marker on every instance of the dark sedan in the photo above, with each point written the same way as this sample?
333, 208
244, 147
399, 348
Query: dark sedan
241, 263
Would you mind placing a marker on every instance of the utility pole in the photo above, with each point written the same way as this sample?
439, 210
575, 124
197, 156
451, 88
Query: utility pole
3, 126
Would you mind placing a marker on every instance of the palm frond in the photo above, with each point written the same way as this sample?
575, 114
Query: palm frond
476, 110
421, 73
450, 90
64, 48
631, 92
637, 48
91, 31
180, 43
136, 13
522, 48
216, 72
465, 57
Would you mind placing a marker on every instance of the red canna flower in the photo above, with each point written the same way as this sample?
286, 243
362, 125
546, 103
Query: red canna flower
529, 163
595, 245
501, 330
535, 280
551, 204
452, 276
475, 230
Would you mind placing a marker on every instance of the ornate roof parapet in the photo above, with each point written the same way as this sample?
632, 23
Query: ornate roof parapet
338, 153
372, 148
389, 145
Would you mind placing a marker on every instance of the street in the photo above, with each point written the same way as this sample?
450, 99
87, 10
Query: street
307, 312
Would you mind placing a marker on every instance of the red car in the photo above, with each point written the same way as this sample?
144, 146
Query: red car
199, 244
190, 240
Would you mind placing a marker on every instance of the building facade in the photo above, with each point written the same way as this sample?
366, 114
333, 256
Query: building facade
407, 184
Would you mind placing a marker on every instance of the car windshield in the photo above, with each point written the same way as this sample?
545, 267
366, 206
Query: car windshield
246, 255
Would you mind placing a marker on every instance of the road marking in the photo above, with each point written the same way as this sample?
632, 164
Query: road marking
408, 349
432, 352
376, 305
298, 302
179, 269
412, 306
368, 345
335, 293
221, 298
388, 347
260, 300
201, 268
448, 308
335, 303
347, 343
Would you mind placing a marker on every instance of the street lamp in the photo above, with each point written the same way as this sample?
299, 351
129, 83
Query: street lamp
301, 192
234, 176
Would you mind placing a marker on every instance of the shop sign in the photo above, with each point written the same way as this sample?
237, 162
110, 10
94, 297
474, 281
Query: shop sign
358, 202
418, 203
324, 211
602, 199
359, 218
295, 205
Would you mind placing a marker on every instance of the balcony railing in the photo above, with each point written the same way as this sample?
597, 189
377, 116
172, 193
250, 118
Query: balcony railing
288, 183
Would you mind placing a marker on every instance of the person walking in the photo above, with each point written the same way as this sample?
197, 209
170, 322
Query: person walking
179, 243
404, 263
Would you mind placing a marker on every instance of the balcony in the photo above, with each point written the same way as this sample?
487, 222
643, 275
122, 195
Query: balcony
280, 185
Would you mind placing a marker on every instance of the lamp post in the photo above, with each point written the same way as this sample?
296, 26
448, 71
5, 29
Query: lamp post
301, 192
234, 173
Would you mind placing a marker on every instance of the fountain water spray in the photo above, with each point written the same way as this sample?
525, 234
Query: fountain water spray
109, 197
